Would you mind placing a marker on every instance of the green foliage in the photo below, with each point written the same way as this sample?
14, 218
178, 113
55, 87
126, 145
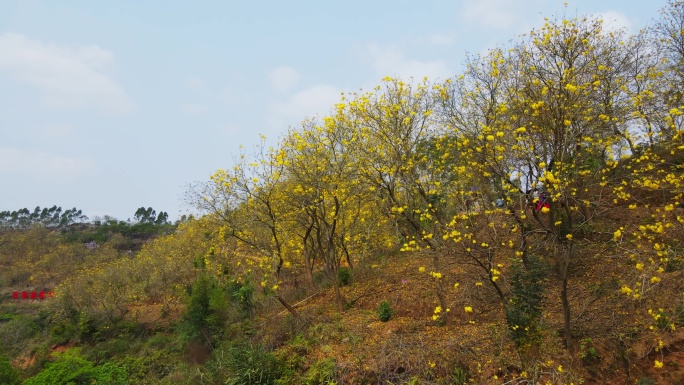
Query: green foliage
646, 381
63, 331
130, 234
675, 263
72, 368
524, 309
679, 314
8, 375
661, 319
343, 276
14, 332
460, 375
385, 311
150, 367
588, 352
323, 371
322, 280
111, 348
252, 365
111, 373
48, 217
87, 326
243, 295
206, 312
149, 215
300, 345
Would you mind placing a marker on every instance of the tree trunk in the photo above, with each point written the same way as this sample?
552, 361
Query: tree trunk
309, 270
563, 267
444, 315
287, 306
566, 315
338, 296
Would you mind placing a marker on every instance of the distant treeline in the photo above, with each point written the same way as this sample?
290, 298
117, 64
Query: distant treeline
55, 217
49, 217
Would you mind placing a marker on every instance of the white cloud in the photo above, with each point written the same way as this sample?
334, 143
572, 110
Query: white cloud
41, 166
315, 100
613, 21
194, 109
499, 14
283, 78
390, 61
491, 13
441, 40
68, 77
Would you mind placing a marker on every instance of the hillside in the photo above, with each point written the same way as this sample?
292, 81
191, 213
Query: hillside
183, 341
520, 223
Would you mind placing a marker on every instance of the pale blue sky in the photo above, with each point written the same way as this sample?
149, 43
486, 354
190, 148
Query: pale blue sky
112, 105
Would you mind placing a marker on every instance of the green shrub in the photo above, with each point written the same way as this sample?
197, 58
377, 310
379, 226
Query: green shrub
106, 350
206, 313
343, 276
72, 368
385, 311
63, 331
646, 381
242, 294
322, 372
523, 312
588, 352
111, 374
460, 376
151, 366
159, 341
661, 319
252, 365
675, 263
679, 314
14, 332
8, 375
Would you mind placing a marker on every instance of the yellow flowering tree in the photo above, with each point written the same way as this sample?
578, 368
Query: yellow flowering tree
247, 201
543, 126
402, 163
325, 192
